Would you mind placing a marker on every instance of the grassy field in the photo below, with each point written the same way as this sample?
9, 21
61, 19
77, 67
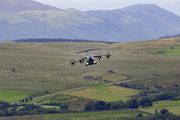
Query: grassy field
14, 95
173, 109
74, 103
53, 98
91, 115
167, 80
166, 103
100, 115
38, 65
76, 100
168, 51
22, 118
107, 93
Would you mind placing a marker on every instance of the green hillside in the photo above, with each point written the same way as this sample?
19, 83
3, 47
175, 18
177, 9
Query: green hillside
39, 71
38, 65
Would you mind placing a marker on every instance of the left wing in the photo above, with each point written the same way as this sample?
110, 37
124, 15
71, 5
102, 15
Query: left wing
81, 60
73, 62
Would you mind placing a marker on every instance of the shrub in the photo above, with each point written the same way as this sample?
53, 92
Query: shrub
164, 111
140, 115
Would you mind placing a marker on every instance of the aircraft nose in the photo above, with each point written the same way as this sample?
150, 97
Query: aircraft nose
90, 58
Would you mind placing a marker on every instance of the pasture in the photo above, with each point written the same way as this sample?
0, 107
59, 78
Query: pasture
53, 98
166, 80
21, 118
14, 95
92, 115
167, 51
166, 103
107, 93
173, 109
116, 114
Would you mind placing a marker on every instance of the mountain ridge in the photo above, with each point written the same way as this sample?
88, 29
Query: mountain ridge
121, 25
15, 6
143, 17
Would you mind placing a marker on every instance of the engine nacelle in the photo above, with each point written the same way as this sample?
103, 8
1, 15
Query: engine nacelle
87, 64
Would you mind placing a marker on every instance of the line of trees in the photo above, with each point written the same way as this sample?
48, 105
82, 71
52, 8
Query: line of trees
131, 103
58, 40
170, 36
133, 86
95, 78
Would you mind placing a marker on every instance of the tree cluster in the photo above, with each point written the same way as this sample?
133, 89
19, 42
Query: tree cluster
164, 114
26, 99
91, 77
6, 109
52, 104
36, 94
4, 105
161, 93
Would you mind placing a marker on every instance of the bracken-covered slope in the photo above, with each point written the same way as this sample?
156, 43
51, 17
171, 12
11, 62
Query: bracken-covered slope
30, 19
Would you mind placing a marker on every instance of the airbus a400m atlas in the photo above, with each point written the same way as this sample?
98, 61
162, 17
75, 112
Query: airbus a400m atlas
90, 59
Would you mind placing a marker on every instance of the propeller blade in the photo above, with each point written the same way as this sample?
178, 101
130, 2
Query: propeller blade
108, 55
72, 62
99, 56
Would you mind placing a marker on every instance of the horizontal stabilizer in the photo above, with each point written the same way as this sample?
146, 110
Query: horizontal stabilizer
88, 50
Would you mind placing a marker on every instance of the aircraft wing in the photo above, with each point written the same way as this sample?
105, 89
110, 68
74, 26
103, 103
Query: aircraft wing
73, 62
99, 56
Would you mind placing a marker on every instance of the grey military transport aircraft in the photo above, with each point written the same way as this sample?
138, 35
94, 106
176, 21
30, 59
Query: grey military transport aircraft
90, 59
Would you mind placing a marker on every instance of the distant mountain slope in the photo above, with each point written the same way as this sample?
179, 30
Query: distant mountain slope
29, 19
23, 5
170, 36
146, 18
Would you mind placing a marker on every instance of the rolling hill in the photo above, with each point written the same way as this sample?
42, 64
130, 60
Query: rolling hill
30, 19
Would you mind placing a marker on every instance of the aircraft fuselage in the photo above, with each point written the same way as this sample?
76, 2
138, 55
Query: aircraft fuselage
90, 60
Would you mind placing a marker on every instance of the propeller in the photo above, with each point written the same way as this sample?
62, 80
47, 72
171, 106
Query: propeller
108, 55
99, 56
72, 62
81, 60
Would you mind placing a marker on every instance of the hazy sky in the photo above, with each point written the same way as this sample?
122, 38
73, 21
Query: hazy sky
84, 5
